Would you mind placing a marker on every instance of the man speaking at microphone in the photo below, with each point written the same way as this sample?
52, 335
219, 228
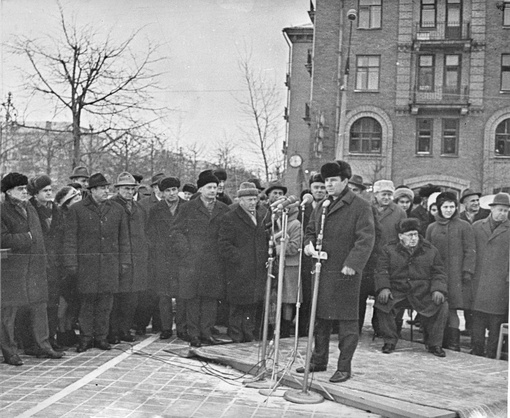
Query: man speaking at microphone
348, 239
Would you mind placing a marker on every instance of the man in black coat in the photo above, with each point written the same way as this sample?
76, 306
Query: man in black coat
243, 245
348, 239
96, 240
201, 271
24, 271
163, 259
421, 211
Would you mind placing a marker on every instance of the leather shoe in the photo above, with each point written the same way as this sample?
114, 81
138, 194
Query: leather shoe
113, 339
165, 335
437, 351
339, 377
128, 338
13, 360
210, 341
195, 342
388, 348
183, 336
102, 345
83, 346
313, 368
141, 331
50, 354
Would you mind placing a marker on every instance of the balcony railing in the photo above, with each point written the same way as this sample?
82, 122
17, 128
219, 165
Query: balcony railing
442, 33
441, 95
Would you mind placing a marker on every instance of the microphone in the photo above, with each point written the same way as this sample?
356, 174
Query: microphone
307, 199
275, 204
289, 201
326, 203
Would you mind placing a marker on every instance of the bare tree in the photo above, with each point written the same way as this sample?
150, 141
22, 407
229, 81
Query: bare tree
262, 108
224, 152
90, 76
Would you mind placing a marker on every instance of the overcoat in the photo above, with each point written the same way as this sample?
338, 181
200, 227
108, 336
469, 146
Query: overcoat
491, 274
243, 247
96, 241
412, 276
135, 279
424, 217
455, 241
24, 269
163, 258
348, 240
148, 202
201, 271
482, 214
388, 220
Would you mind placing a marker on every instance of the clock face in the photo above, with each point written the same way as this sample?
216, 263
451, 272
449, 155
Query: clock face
295, 160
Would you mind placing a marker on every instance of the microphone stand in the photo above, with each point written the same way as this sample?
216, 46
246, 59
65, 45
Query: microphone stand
305, 396
300, 280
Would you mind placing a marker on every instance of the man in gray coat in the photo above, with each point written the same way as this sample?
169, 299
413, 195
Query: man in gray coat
349, 235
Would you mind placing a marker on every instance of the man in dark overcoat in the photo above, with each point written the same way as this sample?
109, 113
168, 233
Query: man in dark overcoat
421, 212
23, 272
349, 236
133, 281
96, 240
163, 258
243, 246
410, 272
201, 272
490, 306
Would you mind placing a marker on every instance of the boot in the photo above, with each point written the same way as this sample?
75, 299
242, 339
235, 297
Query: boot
446, 338
454, 339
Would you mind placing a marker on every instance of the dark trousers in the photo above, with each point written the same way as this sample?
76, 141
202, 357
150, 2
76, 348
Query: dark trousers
166, 312
241, 322
348, 335
147, 309
304, 310
123, 312
39, 325
200, 316
481, 322
468, 316
95, 315
180, 316
433, 326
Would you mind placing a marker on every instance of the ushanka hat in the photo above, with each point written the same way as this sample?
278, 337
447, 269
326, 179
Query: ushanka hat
402, 191
408, 224
36, 184
337, 168
384, 186
206, 177
247, 189
316, 178
168, 183
190, 188
12, 180
428, 189
221, 174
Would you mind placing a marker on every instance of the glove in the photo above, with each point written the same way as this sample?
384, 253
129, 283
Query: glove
384, 296
437, 297
309, 249
466, 276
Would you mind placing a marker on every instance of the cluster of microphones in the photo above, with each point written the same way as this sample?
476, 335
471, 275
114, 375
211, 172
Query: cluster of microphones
290, 202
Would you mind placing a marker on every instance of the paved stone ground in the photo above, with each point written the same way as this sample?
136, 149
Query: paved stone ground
145, 382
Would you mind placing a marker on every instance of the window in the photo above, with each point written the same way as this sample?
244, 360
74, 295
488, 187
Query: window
366, 136
451, 73
453, 19
369, 14
426, 70
424, 136
505, 72
367, 72
450, 136
506, 13
503, 138
428, 14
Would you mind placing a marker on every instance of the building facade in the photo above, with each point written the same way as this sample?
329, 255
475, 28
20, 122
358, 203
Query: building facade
417, 91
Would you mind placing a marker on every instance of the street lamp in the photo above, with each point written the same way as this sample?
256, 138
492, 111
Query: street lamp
352, 15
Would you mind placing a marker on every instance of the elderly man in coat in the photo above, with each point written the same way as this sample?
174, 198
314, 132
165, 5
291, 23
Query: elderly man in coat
24, 271
201, 271
163, 258
349, 236
96, 240
410, 272
133, 281
490, 307
243, 246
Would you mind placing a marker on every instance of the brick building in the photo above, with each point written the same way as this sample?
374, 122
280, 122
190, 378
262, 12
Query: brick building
416, 91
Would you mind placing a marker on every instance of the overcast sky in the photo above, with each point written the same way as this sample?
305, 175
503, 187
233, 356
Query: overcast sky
199, 38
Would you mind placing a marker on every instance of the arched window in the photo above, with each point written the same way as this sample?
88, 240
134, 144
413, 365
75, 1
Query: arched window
366, 136
503, 138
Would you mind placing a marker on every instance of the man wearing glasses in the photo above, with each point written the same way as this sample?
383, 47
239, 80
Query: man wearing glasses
410, 273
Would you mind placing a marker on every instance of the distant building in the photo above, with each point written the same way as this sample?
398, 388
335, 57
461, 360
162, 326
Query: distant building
426, 97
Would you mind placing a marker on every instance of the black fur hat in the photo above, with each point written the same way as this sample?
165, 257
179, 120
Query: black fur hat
316, 178
335, 169
428, 189
206, 177
12, 180
408, 224
168, 182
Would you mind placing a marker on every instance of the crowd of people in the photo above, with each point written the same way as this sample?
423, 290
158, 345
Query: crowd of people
86, 268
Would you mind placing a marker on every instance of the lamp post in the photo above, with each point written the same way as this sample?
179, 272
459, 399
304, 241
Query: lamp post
351, 15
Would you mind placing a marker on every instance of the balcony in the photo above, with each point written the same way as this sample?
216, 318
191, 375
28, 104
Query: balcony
442, 35
440, 98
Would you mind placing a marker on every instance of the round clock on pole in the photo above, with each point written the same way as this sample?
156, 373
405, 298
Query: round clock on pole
295, 160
